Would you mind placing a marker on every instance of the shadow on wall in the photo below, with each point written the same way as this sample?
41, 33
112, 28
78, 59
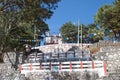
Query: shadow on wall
14, 58
1, 57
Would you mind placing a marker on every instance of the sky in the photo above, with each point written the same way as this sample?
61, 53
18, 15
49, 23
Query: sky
74, 11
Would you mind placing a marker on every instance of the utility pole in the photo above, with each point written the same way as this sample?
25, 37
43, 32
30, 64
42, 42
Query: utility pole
34, 32
81, 36
78, 32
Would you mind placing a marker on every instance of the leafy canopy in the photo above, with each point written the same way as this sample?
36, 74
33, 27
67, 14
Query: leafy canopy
69, 32
108, 16
19, 17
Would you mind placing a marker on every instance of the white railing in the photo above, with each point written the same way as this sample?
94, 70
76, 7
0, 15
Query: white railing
70, 54
96, 66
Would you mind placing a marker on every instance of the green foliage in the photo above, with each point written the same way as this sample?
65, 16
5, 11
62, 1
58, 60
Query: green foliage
97, 33
108, 16
69, 32
18, 18
92, 28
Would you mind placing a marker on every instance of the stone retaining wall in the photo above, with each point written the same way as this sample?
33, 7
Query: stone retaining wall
12, 57
111, 55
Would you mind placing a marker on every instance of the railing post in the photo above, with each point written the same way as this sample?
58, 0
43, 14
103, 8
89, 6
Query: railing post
43, 56
60, 66
30, 66
40, 66
51, 55
82, 54
93, 65
20, 67
66, 54
50, 65
35, 56
81, 65
74, 54
58, 55
70, 65
104, 67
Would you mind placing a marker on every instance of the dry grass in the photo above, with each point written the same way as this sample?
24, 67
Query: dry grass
116, 44
95, 49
